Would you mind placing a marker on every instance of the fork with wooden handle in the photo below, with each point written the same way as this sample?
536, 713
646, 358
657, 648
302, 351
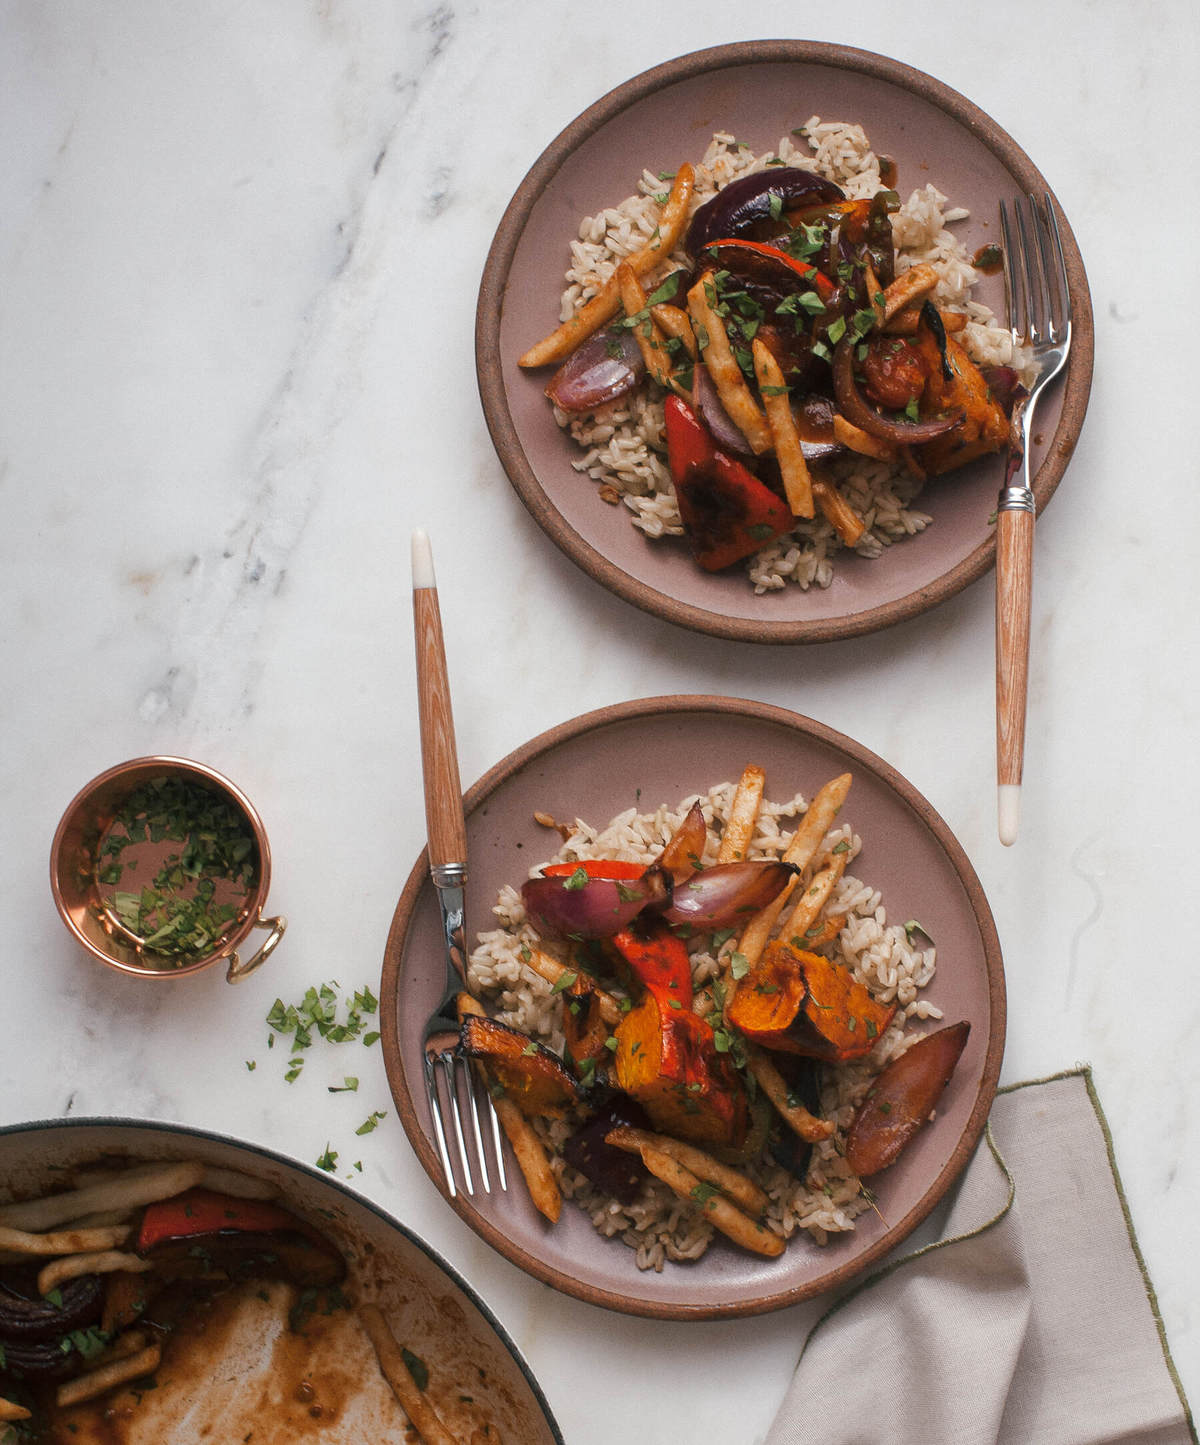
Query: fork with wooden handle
447, 831
1039, 313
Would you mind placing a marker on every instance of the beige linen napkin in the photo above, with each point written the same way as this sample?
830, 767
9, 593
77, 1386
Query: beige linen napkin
1030, 1321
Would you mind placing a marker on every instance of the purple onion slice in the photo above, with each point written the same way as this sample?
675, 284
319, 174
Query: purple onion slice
728, 894
599, 370
580, 907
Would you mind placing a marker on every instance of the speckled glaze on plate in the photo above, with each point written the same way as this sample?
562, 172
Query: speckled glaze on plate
661, 749
438, 1314
758, 90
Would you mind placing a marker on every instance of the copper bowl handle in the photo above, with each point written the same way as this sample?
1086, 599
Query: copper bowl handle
238, 970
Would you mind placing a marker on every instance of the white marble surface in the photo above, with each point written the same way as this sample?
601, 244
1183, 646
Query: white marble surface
228, 236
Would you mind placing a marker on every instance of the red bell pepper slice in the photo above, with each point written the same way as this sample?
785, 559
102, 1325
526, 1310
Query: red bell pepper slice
611, 868
659, 959
202, 1211
726, 511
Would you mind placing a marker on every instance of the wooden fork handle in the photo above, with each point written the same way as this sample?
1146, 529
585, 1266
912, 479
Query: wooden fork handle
444, 819
1014, 591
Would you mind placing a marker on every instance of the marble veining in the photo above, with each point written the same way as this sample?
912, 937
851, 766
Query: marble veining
240, 248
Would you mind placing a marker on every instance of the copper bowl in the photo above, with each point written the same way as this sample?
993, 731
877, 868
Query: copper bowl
76, 893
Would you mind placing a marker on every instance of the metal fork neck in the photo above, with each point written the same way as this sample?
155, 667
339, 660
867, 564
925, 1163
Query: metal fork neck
1016, 499
448, 875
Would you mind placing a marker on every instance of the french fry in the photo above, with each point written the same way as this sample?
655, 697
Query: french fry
240, 1186
135, 1188
814, 897
413, 1400
906, 322
757, 933
104, 1261
526, 1146
838, 512
875, 296
789, 451
11, 1411
99, 1382
904, 290
736, 1187
817, 821
713, 341
603, 305
649, 338
726, 1217
743, 815
66, 1241
554, 972
132, 1342
675, 321
823, 931
793, 1114
854, 439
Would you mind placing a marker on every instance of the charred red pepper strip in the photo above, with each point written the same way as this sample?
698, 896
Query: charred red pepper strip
610, 868
201, 1211
659, 959
728, 251
726, 511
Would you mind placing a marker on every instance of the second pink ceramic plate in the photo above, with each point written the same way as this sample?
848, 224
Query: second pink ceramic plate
660, 750
758, 91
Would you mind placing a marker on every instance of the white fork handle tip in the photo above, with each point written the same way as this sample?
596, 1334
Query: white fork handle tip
422, 560
1008, 805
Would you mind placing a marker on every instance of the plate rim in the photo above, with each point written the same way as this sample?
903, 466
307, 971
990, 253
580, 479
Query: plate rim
455, 1276
493, 393
822, 733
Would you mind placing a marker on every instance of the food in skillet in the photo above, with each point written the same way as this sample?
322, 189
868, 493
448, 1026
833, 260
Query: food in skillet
702, 1022
771, 357
160, 1299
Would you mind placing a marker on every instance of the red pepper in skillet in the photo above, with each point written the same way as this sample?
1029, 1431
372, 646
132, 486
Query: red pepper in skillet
200, 1232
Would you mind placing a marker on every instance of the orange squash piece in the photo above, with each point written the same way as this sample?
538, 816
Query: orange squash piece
803, 1003
667, 1060
584, 1026
769, 999
531, 1075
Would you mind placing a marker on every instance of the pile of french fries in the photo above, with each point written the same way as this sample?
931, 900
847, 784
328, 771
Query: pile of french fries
767, 422
733, 1203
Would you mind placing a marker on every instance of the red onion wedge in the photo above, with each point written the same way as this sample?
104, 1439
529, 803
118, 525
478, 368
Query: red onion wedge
579, 906
730, 893
600, 369
681, 857
751, 201
723, 429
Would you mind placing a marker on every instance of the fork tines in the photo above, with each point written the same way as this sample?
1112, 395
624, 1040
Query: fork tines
458, 1087
1039, 303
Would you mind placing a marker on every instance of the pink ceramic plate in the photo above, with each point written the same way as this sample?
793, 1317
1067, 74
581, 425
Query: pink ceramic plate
658, 750
759, 91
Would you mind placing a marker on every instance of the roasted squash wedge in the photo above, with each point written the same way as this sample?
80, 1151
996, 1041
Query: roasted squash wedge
667, 1060
803, 1003
531, 1075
